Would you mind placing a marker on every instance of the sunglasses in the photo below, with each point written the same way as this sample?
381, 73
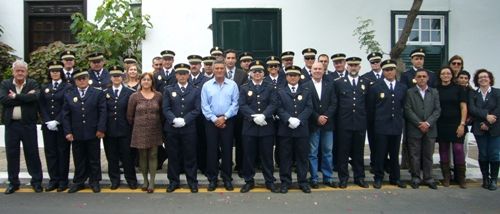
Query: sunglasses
374, 62
157, 64
309, 58
69, 60
273, 66
258, 71
456, 63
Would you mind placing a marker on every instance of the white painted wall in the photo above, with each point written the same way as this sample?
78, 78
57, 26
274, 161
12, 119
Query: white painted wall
12, 21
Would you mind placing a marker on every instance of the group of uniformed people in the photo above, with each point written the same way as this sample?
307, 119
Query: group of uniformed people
310, 118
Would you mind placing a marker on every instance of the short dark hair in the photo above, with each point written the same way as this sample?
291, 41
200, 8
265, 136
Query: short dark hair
229, 51
482, 70
439, 74
464, 72
324, 55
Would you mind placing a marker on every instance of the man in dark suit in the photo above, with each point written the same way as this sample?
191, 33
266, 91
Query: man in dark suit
19, 97
386, 108
84, 125
118, 134
56, 147
351, 94
181, 107
240, 77
99, 77
166, 76
196, 77
321, 126
373, 75
245, 58
68, 60
309, 58
338, 61
294, 109
422, 109
257, 105
217, 53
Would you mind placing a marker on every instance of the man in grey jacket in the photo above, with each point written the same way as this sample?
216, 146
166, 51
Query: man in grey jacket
422, 109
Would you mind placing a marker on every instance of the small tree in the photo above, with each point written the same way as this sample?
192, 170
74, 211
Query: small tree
6, 58
119, 29
366, 36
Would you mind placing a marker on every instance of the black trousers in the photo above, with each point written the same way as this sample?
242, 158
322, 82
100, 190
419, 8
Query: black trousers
298, 147
261, 147
56, 155
371, 142
16, 132
223, 139
350, 144
201, 145
386, 144
238, 147
87, 159
117, 150
181, 150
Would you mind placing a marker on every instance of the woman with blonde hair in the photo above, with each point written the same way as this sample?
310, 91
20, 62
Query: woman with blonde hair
132, 74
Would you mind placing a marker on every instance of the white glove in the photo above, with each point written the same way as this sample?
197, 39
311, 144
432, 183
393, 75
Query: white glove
177, 122
293, 122
52, 125
182, 123
259, 119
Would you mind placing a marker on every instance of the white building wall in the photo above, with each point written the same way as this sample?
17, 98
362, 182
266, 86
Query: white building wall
12, 21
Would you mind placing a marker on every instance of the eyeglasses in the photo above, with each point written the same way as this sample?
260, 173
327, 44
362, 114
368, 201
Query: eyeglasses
96, 61
456, 63
309, 58
374, 62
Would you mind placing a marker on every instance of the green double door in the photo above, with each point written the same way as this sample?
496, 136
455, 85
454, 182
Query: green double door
254, 30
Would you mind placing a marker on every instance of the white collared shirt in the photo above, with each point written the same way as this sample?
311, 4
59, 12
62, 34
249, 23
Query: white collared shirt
16, 112
388, 83
193, 77
340, 74
119, 89
84, 91
318, 86
185, 86
422, 91
274, 78
485, 94
295, 88
351, 78
377, 73
58, 83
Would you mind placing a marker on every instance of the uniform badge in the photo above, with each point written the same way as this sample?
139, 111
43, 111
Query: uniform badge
414, 81
159, 77
299, 97
250, 93
362, 86
47, 90
174, 94
75, 99
90, 82
107, 96
302, 76
382, 95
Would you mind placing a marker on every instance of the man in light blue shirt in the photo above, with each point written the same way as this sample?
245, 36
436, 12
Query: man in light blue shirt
219, 103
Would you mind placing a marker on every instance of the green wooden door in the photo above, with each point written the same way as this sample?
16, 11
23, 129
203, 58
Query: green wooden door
254, 30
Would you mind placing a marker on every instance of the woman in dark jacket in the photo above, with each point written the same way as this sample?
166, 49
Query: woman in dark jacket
484, 106
55, 145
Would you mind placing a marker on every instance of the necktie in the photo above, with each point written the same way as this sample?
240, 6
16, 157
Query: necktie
183, 89
82, 92
257, 87
230, 74
274, 81
116, 92
293, 89
353, 83
194, 79
378, 76
390, 87
55, 85
97, 74
68, 75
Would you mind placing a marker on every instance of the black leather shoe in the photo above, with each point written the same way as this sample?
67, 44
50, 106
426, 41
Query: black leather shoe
212, 186
193, 188
361, 183
132, 185
343, 184
305, 188
96, 188
432, 185
114, 186
62, 188
414, 185
272, 188
284, 188
228, 185
172, 187
11, 189
247, 187
331, 184
377, 184
37, 188
75, 188
51, 187
314, 185
399, 184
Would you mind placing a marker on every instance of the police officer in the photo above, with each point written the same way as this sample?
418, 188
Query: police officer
166, 76
181, 108
273, 70
257, 105
68, 60
286, 61
309, 58
351, 92
55, 145
84, 124
338, 61
385, 105
129, 59
245, 59
417, 57
217, 53
294, 108
117, 140
207, 66
99, 77
196, 77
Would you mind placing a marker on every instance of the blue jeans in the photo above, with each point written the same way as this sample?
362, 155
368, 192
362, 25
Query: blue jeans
325, 140
489, 147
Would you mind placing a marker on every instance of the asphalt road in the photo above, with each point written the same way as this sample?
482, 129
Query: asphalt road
325, 200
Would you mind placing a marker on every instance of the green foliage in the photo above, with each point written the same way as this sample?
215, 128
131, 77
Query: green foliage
6, 59
119, 29
43, 55
366, 36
